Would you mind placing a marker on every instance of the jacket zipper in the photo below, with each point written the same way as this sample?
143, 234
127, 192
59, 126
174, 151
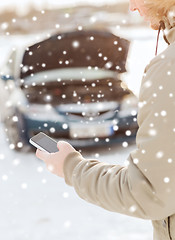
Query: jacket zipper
169, 232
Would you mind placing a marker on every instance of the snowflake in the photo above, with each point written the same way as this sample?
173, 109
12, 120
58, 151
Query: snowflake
91, 38
24, 185
80, 28
170, 160
105, 58
57, 26
19, 144
12, 146
135, 160
163, 113
166, 179
133, 112
126, 163
159, 154
132, 208
108, 65
125, 144
40, 169
156, 114
34, 18
63, 95
65, 126
148, 84
115, 128
128, 133
15, 119
67, 15
44, 181
4, 177
16, 162
4, 25
124, 21
118, 27
50, 167
93, 19
65, 195
75, 44
152, 132
2, 156
52, 130
67, 224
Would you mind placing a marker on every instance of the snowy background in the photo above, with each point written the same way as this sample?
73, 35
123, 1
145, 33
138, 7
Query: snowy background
36, 205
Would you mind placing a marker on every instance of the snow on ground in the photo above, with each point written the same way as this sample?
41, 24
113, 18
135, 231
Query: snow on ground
36, 205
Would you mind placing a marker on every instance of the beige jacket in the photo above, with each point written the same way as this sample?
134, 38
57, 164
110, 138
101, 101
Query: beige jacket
145, 188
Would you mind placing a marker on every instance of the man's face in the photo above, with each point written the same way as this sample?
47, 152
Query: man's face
139, 5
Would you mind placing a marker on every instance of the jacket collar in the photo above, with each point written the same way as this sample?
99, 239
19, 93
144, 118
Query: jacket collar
169, 21
171, 35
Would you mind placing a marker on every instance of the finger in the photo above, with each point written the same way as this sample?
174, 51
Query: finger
42, 155
60, 144
63, 144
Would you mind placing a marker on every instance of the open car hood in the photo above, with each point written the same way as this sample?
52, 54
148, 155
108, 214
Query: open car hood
76, 49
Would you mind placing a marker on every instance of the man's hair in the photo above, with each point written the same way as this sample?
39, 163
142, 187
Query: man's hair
159, 8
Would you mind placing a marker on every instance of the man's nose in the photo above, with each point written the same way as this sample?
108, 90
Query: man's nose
132, 5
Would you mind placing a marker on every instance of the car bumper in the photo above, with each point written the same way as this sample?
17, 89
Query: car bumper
57, 132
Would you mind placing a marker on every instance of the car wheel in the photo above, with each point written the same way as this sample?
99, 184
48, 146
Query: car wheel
14, 132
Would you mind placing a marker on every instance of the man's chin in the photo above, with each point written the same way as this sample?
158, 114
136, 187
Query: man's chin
154, 26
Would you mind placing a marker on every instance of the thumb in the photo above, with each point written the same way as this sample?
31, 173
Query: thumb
42, 155
64, 145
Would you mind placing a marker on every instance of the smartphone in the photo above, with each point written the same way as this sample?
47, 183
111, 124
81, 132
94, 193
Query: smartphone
44, 143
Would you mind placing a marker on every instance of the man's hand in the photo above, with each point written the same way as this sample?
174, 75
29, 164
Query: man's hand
55, 161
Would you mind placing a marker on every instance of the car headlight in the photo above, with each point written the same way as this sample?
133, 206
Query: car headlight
41, 112
128, 107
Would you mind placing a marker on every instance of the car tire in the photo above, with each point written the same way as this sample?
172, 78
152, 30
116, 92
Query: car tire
14, 132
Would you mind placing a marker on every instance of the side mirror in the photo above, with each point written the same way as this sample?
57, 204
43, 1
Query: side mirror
6, 77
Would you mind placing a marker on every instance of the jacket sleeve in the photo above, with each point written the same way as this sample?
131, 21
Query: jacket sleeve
145, 188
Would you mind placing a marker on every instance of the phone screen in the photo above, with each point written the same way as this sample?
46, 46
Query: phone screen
45, 142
